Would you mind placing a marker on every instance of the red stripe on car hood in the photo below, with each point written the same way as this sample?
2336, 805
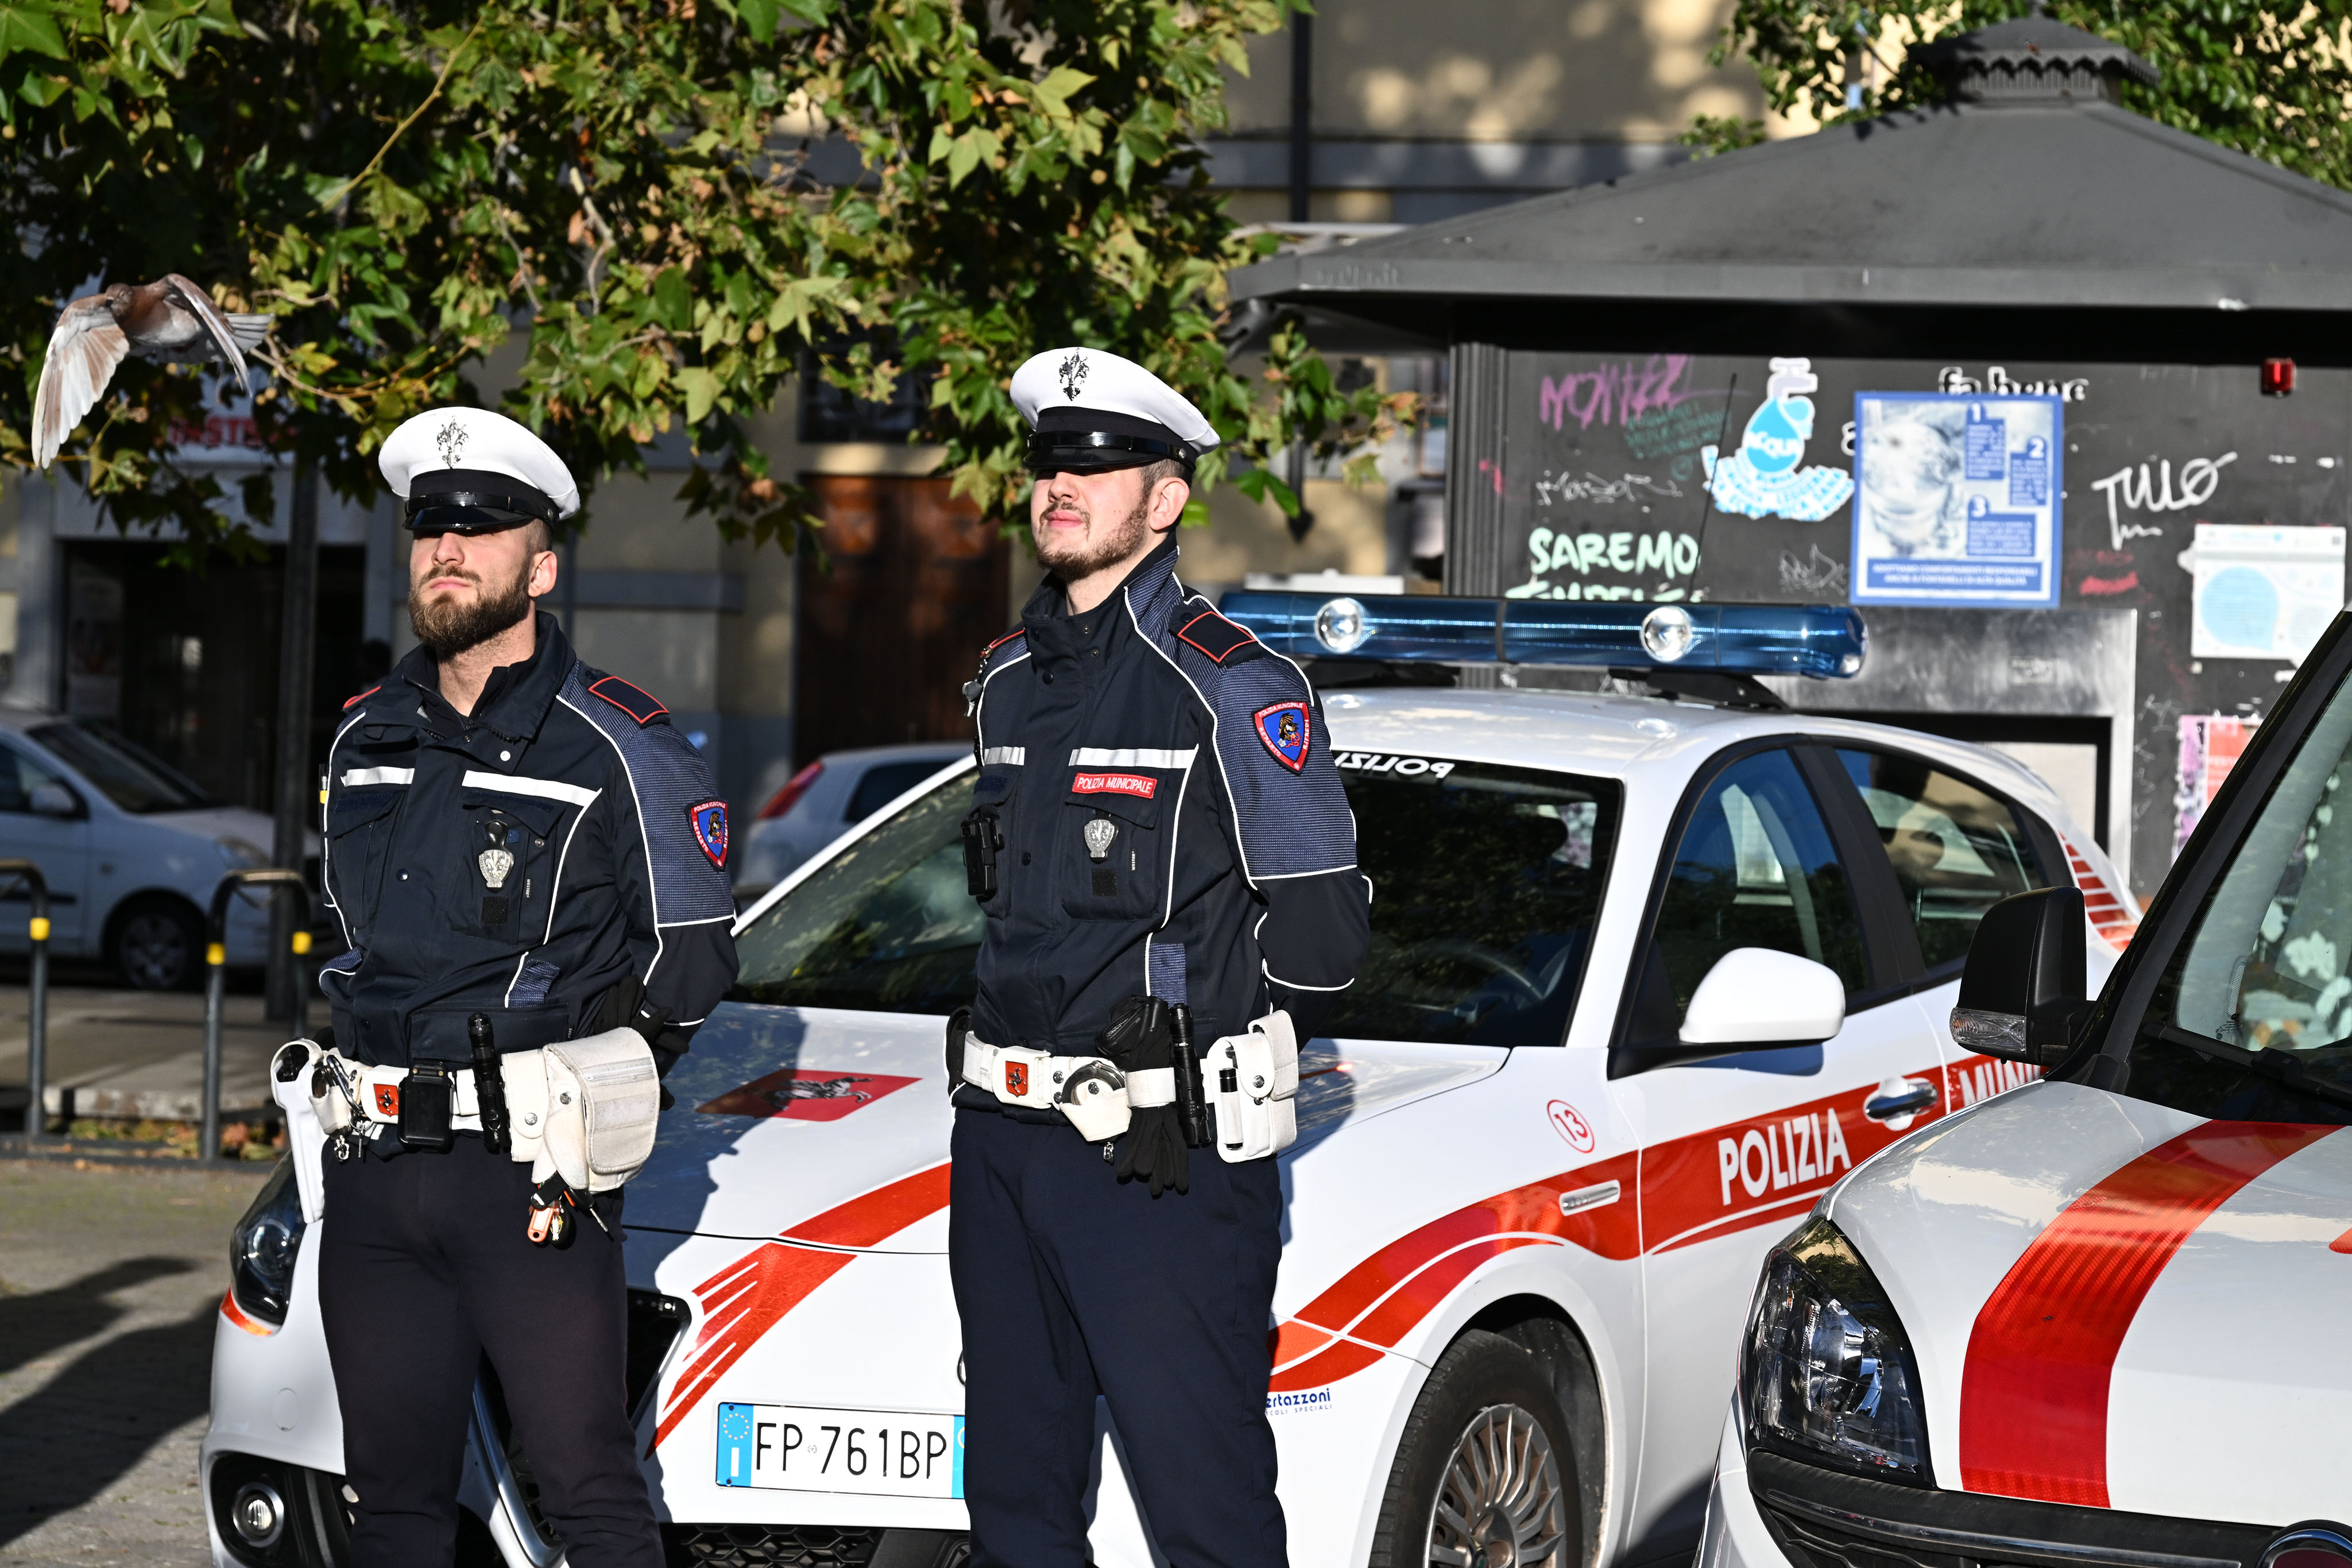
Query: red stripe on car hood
2033, 1393
751, 1295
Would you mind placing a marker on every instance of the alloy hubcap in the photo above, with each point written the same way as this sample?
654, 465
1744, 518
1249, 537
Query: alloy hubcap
154, 951
1500, 1504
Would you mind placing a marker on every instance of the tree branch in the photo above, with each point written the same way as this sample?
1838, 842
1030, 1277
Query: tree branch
348, 186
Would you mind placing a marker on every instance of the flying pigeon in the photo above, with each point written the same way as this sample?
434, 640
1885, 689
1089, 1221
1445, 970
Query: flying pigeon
170, 319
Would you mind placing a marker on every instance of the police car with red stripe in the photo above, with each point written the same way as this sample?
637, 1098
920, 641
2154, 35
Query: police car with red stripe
1652, 969
2097, 1321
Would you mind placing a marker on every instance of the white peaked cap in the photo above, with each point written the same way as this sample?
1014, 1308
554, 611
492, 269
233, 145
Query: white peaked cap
429, 447
1070, 384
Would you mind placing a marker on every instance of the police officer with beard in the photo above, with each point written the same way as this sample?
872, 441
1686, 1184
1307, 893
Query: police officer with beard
517, 839
1166, 862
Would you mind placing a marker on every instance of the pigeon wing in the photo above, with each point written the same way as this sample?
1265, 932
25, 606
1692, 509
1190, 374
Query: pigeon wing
197, 302
249, 331
83, 354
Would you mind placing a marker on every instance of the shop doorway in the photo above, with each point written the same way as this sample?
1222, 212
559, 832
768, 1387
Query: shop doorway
184, 661
910, 587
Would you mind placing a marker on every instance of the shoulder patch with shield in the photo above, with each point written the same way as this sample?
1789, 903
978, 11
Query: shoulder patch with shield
1283, 728
709, 822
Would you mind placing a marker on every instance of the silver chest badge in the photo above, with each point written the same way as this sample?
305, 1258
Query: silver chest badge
495, 865
1100, 831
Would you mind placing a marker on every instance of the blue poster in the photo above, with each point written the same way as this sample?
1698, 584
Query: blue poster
1988, 445
1957, 499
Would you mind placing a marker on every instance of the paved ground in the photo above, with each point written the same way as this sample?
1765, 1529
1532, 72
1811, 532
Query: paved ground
110, 1278
136, 1053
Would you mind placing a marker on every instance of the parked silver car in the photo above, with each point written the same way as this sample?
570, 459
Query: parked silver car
131, 849
826, 800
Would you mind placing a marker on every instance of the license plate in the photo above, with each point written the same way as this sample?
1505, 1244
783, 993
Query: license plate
811, 1448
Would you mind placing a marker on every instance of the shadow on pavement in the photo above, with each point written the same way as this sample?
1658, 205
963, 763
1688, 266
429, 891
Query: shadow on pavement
99, 1417
33, 1325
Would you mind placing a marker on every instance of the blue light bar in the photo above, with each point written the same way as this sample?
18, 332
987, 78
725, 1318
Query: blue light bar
1820, 640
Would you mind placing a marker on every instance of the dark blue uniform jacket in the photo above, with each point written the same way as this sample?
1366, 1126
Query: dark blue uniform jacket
1173, 823
618, 846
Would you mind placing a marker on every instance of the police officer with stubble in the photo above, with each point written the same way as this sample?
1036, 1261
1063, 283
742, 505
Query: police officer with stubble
1166, 863
528, 863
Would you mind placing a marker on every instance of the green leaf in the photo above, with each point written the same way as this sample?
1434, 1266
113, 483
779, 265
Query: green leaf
29, 30
672, 305
1053, 93
965, 154
701, 389
1258, 484
760, 18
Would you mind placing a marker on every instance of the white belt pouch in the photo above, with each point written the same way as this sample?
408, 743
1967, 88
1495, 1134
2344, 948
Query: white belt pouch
601, 1110
1251, 1079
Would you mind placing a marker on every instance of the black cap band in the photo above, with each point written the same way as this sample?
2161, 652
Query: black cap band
1082, 450
475, 501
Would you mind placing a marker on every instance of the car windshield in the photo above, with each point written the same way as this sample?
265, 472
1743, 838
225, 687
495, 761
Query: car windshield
1488, 882
134, 778
2251, 1019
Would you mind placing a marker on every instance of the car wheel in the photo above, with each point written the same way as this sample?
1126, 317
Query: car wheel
158, 945
1484, 1477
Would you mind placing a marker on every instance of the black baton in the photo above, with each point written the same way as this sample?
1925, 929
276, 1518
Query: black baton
490, 1086
1192, 1109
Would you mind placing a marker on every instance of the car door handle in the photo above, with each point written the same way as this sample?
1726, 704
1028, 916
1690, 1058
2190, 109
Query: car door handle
1899, 1099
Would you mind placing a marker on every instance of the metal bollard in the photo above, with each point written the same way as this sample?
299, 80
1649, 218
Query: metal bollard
36, 1032
278, 881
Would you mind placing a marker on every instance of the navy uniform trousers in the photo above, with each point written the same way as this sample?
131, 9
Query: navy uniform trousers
1071, 1283
426, 1269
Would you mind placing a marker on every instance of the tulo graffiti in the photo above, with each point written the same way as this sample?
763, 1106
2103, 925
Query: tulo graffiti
2138, 491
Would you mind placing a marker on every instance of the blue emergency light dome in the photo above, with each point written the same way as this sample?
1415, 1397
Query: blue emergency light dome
1820, 640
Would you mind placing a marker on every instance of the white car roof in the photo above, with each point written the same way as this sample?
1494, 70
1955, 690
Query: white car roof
1644, 740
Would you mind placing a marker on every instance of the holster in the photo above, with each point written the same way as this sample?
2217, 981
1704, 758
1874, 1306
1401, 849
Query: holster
306, 1139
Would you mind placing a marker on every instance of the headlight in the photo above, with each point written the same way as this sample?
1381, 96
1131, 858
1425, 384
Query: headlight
242, 854
263, 1247
1826, 1371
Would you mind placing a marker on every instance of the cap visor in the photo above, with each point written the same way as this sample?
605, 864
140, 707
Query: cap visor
431, 519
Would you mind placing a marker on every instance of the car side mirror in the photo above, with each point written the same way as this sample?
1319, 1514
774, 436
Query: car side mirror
1751, 999
1761, 996
2024, 987
53, 801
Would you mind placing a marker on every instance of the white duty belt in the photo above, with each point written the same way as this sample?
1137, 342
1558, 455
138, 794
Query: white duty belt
1248, 1080
583, 1109
1099, 1099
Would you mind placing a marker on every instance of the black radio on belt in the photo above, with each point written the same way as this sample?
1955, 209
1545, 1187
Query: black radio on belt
428, 1108
982, 839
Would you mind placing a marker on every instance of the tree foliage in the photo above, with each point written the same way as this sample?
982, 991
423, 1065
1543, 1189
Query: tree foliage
2271, 82
675, 202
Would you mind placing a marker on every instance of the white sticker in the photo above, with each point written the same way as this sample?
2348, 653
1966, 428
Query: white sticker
1383, 762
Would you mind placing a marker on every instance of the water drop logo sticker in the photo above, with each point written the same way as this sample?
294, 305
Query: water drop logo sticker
1766, 478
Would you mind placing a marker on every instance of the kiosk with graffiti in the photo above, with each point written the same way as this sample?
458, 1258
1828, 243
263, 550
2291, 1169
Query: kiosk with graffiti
1957, 499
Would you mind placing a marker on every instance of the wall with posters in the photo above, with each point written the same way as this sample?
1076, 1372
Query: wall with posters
2177, 492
